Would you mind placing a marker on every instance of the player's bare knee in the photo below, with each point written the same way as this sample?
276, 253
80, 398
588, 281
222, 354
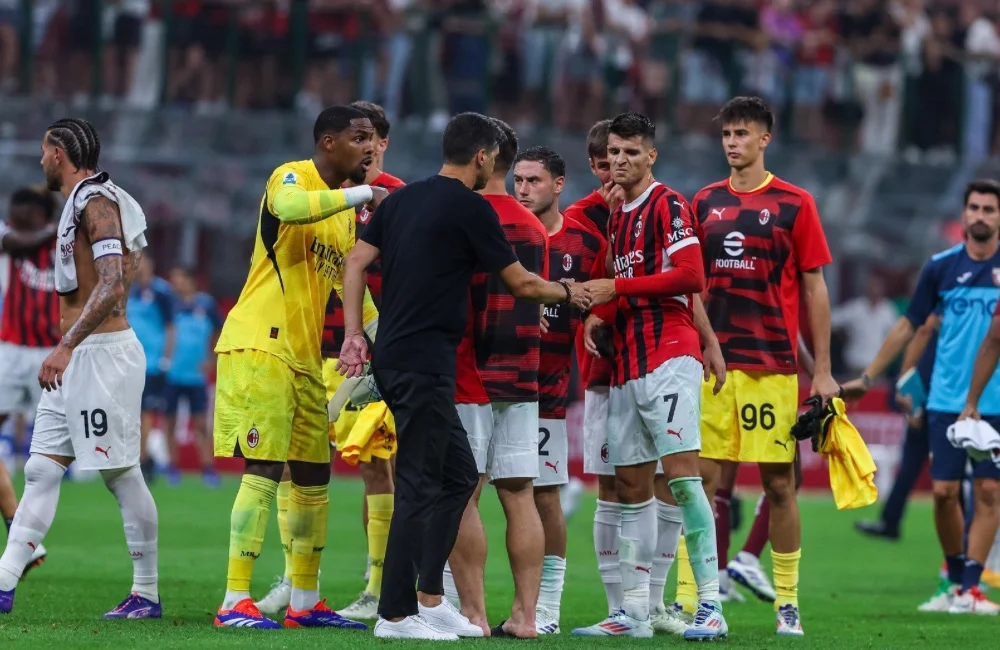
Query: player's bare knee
309, 474
607, 489
987, 494
514, 490
286, 474
779, 484
264, 469
635, 483
945, 492
377, 476
682, 465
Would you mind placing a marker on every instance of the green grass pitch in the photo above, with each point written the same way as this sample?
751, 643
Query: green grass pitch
855, 593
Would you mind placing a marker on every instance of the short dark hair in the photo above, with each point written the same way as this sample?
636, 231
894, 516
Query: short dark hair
377, 116
550, 160
466, 134
78, 138
508, 147
982, 186
597, 139
629, 125
40, 199
335, 120
747, 109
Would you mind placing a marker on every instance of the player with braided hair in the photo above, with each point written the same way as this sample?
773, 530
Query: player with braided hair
99, 362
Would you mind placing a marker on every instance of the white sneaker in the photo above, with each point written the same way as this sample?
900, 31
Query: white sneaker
940, 601
570, 496
278, 599
973, 601
37, 558
789, 623
708, 624
445, 618
618, 624
364, 608
668, 619
728, 593
411, 627
546, 621
746, 570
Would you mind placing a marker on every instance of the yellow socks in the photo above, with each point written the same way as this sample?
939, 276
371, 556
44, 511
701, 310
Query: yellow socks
379, 516
307, 521
247, 524
786, 577
284, 488
687, 588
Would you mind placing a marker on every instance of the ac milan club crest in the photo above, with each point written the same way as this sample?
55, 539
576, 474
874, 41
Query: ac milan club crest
253, 437
567, 263
765, 216
364, 214
604, 452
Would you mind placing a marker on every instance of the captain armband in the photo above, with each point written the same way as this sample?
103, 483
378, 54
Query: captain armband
105, 247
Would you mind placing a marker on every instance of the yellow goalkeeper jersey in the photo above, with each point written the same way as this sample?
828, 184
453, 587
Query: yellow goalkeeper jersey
293, 270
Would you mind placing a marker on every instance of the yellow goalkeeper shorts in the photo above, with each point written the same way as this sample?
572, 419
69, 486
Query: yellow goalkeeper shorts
750, 420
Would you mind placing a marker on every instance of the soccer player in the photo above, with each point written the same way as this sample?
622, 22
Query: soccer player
29, 326
763, 241
377, 475
574, 251
270, 399
507, 337
961, 283
151, 308
197, 324
653, 404
89, 412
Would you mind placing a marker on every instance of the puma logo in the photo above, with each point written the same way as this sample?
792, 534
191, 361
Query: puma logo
104, 451
783, 443
671, 432
32, 546
554, 466
717, 212
644, 569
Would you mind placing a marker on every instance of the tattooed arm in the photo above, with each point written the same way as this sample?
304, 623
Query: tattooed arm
101, 222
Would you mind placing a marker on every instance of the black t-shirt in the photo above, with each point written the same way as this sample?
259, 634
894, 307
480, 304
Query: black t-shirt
880, 28
432, 234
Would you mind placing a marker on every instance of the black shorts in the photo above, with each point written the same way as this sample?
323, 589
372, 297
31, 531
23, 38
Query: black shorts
325, 46
183, 32
128, 32
213, 37
257, 44
83, 29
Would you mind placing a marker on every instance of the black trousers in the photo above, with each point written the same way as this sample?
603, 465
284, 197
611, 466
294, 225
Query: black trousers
435, 477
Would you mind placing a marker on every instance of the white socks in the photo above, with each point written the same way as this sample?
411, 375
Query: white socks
42, 478
669, 524
553, 576
638, 539
140, 520
607, 529
303, 600
450, 590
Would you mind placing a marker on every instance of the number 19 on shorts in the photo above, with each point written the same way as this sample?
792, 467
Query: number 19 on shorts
95, 422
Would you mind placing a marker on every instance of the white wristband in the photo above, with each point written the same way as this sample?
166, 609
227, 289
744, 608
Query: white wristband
105, 247
355, 196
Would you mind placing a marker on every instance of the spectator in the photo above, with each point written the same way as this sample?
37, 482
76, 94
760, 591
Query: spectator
465, 54
815, 67
915, 28
936, 122
581, 100
784, 30
627, 28
262, 32
669, 20
982, 48
400, 48
866, 321
121, 53
874, 40
10, 42
544, 25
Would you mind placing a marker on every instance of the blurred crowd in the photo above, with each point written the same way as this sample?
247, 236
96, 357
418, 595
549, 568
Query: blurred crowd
918, 76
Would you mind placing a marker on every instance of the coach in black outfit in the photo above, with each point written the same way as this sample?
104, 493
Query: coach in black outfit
431, 235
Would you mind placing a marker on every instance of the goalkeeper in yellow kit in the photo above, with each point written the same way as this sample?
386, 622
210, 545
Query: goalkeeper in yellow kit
271, 405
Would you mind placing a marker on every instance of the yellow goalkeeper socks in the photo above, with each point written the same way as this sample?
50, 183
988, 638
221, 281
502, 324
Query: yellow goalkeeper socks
687, 588
307, 520
284, 488
247, 524
786, 577
379, 517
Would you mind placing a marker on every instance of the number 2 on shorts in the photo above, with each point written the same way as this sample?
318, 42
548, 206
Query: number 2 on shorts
544, 441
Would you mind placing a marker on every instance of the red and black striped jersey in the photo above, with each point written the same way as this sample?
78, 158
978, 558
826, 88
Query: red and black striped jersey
469, 387
508, 331
333, 325
644, 236
573, 253
756, 244
591, 210
31, 304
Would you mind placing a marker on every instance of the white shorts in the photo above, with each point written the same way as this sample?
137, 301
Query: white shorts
553, 453
94, 416
596, 458
656, 415
503, 437
19, 366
